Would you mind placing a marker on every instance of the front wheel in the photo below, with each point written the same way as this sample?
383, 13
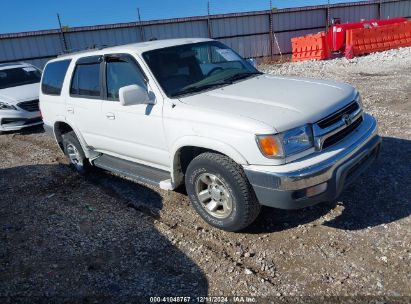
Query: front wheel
220, 192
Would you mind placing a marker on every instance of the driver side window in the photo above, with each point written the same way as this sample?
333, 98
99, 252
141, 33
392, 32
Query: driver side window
120, 73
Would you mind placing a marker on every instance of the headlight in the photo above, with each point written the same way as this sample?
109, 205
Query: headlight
6, 106
286, 143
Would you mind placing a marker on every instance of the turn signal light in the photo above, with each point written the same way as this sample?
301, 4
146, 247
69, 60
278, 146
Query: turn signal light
270, 145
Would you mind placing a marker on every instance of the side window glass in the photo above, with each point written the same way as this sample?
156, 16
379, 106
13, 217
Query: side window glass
53, 77
86, 80
120, 74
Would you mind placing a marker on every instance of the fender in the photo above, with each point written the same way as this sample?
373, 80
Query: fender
88, 153
206, 143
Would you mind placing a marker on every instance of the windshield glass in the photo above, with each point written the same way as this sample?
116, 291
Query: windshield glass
19, 76
190, 68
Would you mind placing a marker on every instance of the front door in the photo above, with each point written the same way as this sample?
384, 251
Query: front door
132, 131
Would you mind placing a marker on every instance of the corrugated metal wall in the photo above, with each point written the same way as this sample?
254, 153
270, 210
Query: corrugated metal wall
397, 9
247, 33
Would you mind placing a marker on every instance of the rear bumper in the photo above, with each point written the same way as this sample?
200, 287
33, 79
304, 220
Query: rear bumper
16, 120
294, 189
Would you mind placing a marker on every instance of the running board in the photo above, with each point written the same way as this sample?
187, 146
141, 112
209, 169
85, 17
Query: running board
140, 173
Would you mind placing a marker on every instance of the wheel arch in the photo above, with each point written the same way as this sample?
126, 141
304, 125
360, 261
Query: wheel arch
187, 148
63, 127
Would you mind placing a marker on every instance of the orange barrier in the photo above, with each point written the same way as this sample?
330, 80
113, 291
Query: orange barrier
377, 39
310, 47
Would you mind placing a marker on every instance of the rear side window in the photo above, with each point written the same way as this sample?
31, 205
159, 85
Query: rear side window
53, 77
86, 80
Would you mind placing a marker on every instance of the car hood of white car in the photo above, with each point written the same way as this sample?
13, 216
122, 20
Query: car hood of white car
280, 102
17, 94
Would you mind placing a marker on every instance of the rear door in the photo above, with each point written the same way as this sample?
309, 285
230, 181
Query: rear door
83, 106
132, 131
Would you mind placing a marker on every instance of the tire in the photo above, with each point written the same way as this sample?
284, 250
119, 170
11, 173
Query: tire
230, 204
75, 153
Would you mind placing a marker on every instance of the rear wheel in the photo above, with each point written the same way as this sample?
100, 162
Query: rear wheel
220, 192
75, 153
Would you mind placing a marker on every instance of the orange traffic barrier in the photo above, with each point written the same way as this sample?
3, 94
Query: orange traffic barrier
377, 39
310, 47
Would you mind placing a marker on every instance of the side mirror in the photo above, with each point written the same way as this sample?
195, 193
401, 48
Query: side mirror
252, 61
133, 95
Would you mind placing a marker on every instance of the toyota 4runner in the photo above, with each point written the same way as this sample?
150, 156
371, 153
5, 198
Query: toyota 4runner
193, 112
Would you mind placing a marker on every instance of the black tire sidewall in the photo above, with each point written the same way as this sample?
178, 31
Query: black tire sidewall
200, 166
70, 138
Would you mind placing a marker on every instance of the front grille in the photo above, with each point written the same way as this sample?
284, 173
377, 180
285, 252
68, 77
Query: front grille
337, 116
343, 133
31, 106
10, 122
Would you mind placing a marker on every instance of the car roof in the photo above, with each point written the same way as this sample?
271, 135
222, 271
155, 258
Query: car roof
12, 65
136, 48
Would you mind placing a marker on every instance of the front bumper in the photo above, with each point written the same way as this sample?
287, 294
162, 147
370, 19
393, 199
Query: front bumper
15, 120
285, 187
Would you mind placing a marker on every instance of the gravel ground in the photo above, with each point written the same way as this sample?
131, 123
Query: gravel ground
102, 238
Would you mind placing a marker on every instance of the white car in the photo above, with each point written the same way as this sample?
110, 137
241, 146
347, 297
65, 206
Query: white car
19, 96
193, 112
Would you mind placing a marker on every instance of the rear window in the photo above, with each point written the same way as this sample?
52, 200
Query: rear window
86, 80
53, 77
19, 76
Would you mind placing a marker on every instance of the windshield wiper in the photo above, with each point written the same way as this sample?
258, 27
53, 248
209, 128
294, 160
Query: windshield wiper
195, 89
229, 80
239, 76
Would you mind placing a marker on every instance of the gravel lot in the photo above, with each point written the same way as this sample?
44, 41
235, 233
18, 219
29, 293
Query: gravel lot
102, 238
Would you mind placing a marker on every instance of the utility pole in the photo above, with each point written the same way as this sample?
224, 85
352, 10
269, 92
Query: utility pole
270, 21
140, 25
328, 15
65, 48
273, 36
208, 20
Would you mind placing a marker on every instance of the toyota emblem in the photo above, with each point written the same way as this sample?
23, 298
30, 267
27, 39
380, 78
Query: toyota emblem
347, 119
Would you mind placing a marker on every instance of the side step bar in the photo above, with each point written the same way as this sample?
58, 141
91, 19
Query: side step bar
137, 172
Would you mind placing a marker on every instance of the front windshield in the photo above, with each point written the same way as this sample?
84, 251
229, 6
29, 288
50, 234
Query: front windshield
19, 76
190, 68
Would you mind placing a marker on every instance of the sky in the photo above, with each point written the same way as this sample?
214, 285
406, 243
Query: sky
31, 15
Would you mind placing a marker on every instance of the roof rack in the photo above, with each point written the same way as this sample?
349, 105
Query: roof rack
93, 47
12, 63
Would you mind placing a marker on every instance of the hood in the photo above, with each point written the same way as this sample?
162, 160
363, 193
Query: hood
280, 102
20, 93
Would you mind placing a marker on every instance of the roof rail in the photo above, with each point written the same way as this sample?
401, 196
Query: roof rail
12, 63
93, 47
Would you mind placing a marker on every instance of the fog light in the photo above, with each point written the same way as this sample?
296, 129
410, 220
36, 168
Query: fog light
309, 192
315, 190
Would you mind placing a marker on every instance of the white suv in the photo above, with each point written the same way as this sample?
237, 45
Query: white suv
193, 112
19, 96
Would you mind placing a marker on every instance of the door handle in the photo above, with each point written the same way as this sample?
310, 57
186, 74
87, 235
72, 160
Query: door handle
110, 116
70, 110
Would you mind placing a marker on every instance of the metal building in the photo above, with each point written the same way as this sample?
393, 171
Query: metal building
252, 34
